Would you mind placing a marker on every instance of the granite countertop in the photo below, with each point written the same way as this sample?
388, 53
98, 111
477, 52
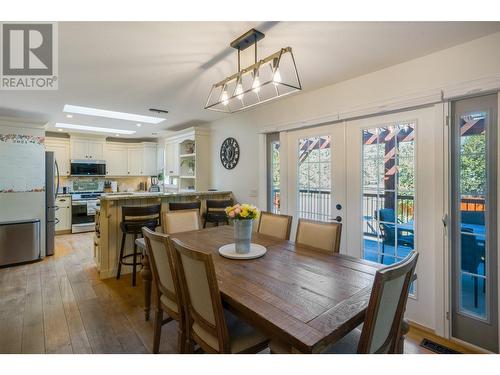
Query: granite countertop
136, 195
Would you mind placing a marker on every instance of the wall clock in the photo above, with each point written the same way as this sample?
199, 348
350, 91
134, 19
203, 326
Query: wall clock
229, 153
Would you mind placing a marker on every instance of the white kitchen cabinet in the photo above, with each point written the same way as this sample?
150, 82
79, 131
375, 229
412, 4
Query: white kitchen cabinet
87, 148
116, 159
63, 213
135, 161
60, 147
130, 159
172, 158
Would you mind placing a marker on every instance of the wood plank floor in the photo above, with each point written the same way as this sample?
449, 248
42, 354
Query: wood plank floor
59, 305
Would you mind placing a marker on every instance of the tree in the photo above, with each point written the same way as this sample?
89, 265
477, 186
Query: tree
473, 165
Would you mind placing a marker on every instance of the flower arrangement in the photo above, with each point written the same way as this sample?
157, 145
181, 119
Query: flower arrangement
242, 212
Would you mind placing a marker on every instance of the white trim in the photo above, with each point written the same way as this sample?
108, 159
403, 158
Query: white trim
407, 102
498, 214
283, 173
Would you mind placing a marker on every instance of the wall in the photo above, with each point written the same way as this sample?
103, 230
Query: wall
468, 65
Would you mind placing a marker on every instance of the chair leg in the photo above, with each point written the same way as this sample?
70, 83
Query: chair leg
205, 223
158, 318
182, 344
476, 302
122, 248
134, 262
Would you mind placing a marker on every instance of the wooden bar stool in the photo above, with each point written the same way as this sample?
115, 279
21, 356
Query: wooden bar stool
215, 211
178, 206
133, 219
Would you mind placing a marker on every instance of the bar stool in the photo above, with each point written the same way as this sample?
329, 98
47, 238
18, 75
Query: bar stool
177, 206
215, 211
133, 219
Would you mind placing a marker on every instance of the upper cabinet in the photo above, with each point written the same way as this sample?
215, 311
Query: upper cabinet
87, 148
130, 159
60, 147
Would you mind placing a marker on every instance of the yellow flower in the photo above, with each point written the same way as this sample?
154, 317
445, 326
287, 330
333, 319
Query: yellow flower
244, 212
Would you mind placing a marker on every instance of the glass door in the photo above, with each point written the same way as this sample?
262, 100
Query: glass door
316, 183
474, 220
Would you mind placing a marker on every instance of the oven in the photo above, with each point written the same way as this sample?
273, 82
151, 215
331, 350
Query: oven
83, 209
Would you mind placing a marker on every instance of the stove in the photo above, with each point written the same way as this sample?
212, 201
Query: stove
83, 209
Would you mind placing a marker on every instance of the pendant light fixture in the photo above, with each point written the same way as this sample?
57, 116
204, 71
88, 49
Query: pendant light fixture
267, 79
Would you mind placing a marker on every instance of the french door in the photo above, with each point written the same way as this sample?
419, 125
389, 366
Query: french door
474, 246
316, 174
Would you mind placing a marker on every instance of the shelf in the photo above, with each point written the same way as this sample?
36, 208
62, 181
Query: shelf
187, 177
187, 155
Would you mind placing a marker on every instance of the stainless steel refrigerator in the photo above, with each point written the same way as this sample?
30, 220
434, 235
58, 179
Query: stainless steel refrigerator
51, 189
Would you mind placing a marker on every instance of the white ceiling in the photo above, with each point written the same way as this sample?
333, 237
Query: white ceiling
133, 66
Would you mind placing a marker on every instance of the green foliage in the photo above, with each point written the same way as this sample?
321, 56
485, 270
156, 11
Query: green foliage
473, 165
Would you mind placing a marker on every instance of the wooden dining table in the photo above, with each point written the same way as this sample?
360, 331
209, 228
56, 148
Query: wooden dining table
302, 297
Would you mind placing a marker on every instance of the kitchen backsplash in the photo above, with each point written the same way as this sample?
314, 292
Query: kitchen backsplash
97, 184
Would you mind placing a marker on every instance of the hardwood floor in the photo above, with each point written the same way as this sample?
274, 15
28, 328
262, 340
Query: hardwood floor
59, 305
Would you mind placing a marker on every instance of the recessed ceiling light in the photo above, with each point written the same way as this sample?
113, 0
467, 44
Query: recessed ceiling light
117, 135
69, 115
93, 128
139, 125
111, 114
60, 130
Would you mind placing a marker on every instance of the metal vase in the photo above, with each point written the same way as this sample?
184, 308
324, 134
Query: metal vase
242, 236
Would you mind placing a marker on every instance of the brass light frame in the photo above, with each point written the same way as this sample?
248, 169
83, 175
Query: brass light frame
221, 104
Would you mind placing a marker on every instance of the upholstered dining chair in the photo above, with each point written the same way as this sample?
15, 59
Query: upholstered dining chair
180, 221
381, 331
214, 329
275, 225
168, 295
320, 235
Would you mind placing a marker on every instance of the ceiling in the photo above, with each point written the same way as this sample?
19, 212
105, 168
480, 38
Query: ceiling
133, 66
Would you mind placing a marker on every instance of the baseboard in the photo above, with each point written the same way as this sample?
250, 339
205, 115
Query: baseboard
64, 231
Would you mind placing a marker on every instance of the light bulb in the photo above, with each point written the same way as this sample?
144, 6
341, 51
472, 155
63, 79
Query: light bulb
239, 90
256, 82
224, 97
276, 76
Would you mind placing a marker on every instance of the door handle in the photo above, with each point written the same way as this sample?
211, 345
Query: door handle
338, 219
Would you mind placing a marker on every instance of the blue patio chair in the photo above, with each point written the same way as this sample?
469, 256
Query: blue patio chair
472, 256
386, 217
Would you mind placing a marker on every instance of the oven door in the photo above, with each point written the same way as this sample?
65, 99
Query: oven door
88, 168
82, 219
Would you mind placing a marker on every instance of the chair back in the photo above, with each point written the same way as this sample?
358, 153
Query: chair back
176, 206
205, 314
320, 235
180, 221
218, 204
387, 214
164, 271
136, 217
472, 255
381, 329
275, 225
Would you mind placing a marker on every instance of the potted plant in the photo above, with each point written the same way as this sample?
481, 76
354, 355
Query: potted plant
243, 216
190, 164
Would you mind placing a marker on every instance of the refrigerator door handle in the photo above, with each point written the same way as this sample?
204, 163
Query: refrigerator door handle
57, 187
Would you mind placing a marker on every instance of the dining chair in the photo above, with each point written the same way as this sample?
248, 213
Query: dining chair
180, 221
215, 212
320, 235
381, 331
275, 225
168, 290
214, 329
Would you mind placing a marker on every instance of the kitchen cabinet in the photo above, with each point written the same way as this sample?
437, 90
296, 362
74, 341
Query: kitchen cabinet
172, 158
116, 159
130, 159
60, 147
87, 148
63, 214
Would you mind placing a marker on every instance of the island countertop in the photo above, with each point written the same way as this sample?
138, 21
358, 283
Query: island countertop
108, 240
145, 195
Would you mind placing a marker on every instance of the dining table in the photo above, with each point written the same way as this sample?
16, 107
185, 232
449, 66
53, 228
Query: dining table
302, 297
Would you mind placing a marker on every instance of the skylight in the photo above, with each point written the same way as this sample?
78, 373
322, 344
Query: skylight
111, 114
93, 128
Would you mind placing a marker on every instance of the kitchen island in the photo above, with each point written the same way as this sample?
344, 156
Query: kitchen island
108, 249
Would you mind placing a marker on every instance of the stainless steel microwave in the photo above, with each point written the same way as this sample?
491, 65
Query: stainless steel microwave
88, 168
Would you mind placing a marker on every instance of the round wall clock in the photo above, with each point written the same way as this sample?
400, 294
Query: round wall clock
229, 153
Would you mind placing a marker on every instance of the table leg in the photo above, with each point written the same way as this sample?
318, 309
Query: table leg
147, 277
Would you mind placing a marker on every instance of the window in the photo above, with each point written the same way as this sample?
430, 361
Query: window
388, 199
273, 173
314, 178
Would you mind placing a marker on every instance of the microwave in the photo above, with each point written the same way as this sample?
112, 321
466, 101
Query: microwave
88, 168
